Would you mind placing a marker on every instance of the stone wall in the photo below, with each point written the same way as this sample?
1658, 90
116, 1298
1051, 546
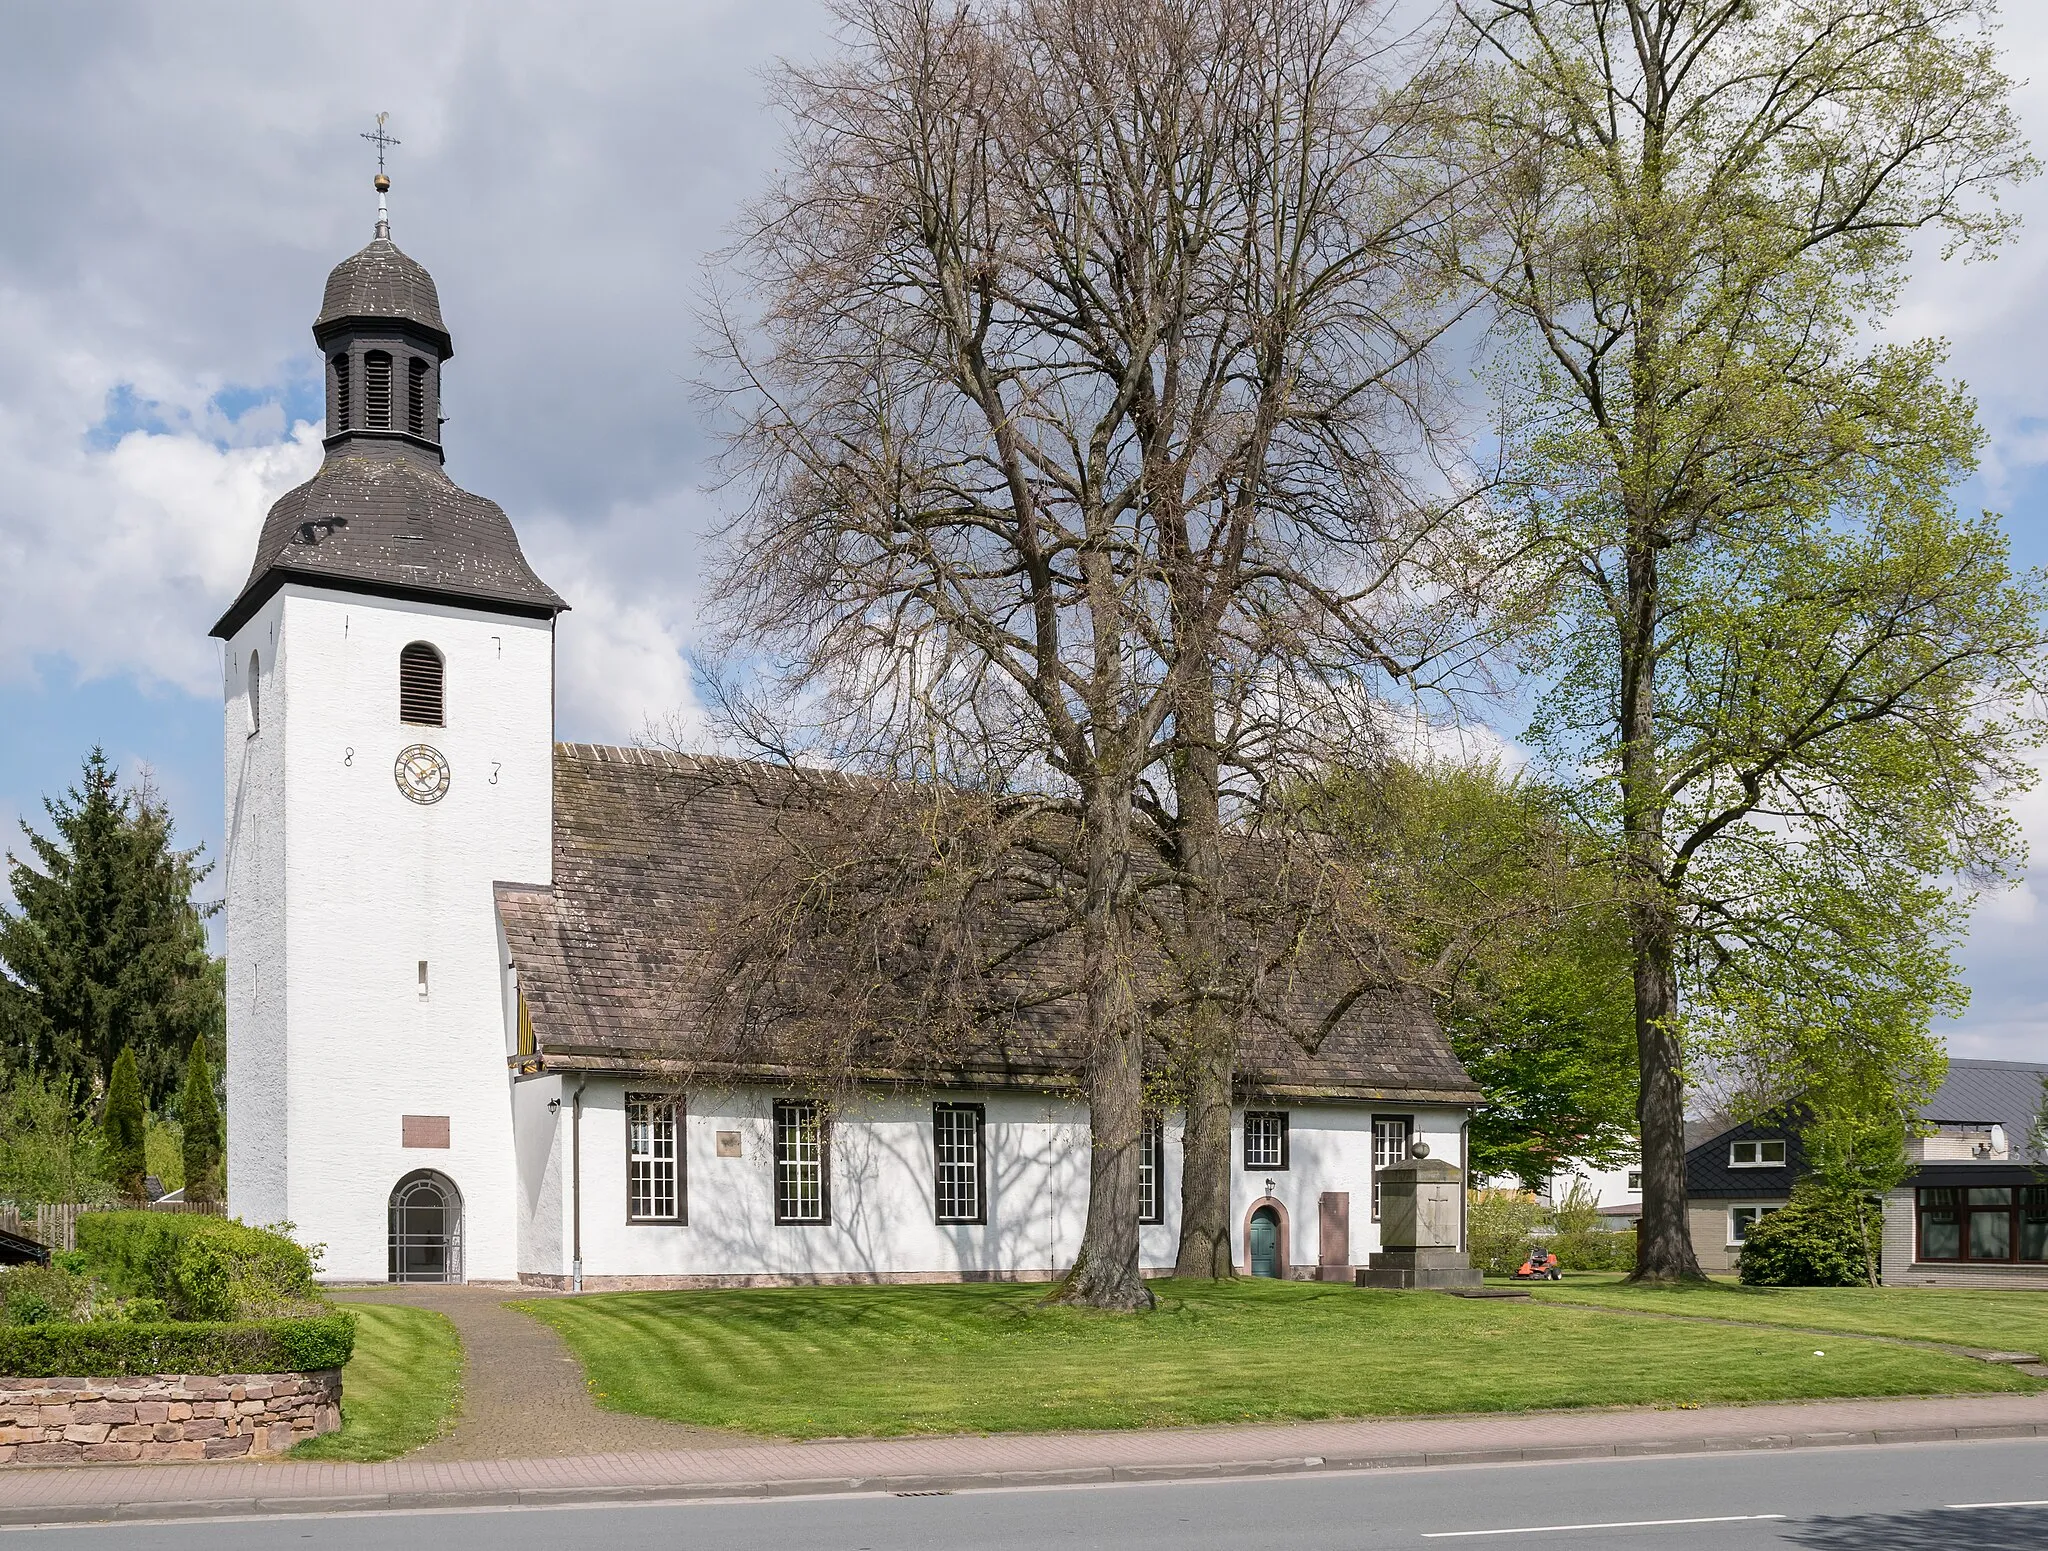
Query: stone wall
164, 1416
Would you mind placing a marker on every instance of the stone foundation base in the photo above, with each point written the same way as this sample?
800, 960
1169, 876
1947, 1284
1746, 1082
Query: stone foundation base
1402, 1268
164, 1416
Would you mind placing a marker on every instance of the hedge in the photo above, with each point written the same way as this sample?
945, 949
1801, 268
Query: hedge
111, 1348
202, 1267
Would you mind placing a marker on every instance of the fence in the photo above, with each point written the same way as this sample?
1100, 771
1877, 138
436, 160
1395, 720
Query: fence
56, 1226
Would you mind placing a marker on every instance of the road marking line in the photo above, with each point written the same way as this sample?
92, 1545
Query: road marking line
1546, 1529
2038, 1502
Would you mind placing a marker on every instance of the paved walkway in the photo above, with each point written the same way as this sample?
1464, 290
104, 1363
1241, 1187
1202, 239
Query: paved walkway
523, 1395
89, 1494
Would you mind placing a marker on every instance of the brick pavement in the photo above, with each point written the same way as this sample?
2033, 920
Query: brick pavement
83, 1494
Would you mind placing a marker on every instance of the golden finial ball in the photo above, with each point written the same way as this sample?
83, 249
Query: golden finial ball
383, 184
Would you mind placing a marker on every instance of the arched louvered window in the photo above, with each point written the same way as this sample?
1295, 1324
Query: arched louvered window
255, 696
416, 397
377, 390
421, 676
340, 395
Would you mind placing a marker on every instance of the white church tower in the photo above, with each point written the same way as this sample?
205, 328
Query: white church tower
389, 687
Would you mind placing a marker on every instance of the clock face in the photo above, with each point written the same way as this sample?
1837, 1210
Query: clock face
421, 773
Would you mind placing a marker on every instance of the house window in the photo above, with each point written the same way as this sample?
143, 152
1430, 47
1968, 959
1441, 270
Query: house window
1152, 1173
377, 391
255, 695
1984, 1222
1389, 1145
959, 1163
422, 679
653, 1187
800, 1179
1635, 1179
416, 396
1760, 1154
1743, 1218
1265, 1139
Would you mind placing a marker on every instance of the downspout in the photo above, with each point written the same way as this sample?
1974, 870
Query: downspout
576, 1188
1464, 1182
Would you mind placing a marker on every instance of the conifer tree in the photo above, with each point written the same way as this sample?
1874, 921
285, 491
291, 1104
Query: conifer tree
122, 1123
199, 1113
107, 949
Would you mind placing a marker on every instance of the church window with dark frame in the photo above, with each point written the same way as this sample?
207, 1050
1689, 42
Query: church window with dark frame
1390, 1135
422, 686
802, 1179
959, 1163
1152, 1174
1265, 1139
654, 1184
377, 390
341, 402
416, 396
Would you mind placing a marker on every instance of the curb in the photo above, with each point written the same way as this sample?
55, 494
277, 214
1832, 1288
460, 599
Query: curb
144, 1510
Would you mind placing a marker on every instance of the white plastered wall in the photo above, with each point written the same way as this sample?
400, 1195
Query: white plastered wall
881, 1190
372, 884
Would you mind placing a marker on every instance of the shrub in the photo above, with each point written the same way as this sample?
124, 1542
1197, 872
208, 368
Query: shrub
203, 1268
42, 1295
1593, 1249
1814, 1240
111, 1348
1500, 1226
47, 1153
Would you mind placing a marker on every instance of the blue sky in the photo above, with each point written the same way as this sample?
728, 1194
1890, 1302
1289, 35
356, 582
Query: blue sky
179, 181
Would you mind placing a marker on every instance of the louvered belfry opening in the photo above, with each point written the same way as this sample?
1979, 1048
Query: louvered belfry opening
421, 679
340, 395
416, 397
377, 390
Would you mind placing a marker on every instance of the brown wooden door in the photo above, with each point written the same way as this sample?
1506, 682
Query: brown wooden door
1333, 1236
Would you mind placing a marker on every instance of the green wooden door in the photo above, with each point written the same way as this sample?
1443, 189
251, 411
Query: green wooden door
1265, 1242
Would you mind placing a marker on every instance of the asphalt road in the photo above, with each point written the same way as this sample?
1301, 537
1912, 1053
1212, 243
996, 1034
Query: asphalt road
1990, 1496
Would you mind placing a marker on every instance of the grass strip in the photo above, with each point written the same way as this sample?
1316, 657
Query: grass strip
1986, 1318
841, 1361
399, 1391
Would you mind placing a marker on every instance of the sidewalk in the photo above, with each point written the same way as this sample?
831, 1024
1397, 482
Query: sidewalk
89, 1494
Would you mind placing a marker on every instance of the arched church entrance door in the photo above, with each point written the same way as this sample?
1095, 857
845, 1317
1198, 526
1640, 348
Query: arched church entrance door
426, 1229
1265, 1242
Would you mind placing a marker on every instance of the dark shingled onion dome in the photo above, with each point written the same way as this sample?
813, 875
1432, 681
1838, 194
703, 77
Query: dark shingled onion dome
380, 516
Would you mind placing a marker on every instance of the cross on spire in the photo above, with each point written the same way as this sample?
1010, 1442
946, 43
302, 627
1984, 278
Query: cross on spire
382, 140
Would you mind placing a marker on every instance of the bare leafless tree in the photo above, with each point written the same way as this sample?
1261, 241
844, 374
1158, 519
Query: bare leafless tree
1079, 424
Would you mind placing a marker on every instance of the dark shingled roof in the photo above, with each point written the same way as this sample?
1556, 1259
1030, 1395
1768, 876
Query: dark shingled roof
620, 962
381, 282
381, 517
2005, 1093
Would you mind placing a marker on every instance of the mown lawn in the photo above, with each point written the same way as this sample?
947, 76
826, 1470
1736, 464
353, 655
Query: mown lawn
401, 1388
2013, 1321
842, 1361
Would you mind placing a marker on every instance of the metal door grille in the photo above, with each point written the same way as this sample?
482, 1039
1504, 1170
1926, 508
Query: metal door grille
426, 1230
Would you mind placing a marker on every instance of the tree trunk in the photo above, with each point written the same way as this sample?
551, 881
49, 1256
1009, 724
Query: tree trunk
1208, 1047
1664, 1239
1105, 1274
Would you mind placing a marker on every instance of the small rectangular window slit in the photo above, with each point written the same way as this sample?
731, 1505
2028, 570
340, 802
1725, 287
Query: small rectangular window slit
423, 980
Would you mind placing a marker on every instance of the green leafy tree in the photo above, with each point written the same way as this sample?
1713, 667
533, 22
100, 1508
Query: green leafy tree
1508, 915
123, 1122
1785, 675
107, 950
199, 1113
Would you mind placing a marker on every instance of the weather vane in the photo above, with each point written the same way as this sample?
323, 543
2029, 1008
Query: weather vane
382, 141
